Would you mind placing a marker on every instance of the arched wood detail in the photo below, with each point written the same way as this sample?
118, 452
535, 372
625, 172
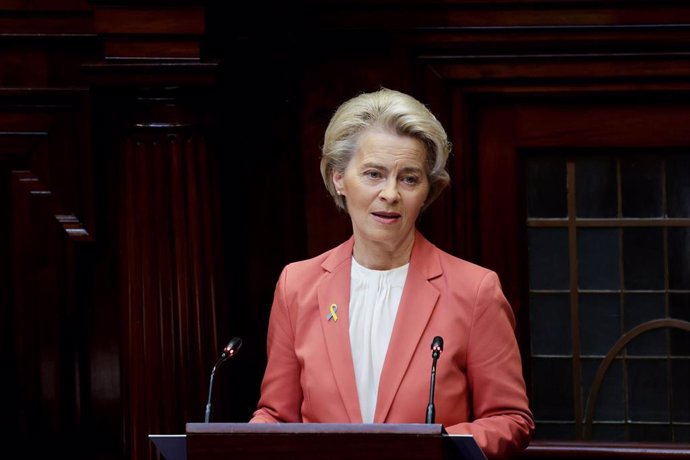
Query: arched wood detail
613, 352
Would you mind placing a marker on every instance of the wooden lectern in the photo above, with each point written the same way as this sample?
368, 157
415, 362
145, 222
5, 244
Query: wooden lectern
312, 441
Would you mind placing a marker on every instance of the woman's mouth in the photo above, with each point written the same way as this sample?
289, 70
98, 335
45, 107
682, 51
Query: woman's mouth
386, 217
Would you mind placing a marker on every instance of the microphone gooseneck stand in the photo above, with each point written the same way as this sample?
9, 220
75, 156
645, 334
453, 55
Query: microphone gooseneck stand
436, 348
229, 351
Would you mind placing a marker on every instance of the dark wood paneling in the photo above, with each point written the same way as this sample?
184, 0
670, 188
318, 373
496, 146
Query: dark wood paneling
149, 21
130, 197
47, 229
167, 232
112, 308
149, 32
594, 450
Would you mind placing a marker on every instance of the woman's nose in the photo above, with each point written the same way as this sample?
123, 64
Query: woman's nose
390, 192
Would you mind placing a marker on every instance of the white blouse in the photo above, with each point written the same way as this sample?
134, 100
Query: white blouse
374, 299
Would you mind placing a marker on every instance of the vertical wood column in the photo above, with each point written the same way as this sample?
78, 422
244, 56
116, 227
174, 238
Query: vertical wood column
169, 246
155, 98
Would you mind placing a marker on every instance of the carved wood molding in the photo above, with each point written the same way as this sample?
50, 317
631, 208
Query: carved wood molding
596, 450
45, 132
169, 244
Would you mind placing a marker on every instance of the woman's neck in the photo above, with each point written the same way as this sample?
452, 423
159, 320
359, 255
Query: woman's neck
377, 256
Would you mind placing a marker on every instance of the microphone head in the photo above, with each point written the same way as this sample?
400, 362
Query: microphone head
436, 347
232, 347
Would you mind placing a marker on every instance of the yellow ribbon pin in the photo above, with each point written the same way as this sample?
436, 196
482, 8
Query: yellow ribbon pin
332, 309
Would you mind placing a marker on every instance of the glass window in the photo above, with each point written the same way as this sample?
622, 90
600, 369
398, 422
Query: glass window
633, 268
548, 258
596, 186
601, 314
641, 186
679, 307
681, 433
607, 431
598, 258
648, 390
552, 398
643, 258
640, 308
610, 404
546, 195
678, 185
678, 260
561, 431
647, 432
680, 402
550, 324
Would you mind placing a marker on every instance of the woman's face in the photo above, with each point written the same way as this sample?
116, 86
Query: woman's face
384, 185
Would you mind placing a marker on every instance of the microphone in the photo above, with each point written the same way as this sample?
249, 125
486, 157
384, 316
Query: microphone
229, 351
436, 349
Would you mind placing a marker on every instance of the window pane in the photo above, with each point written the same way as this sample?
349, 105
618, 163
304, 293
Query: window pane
643, 258
641, 186
609, 432
650, 433
595, 185
678, 185
599, 323
610, 403
555, 431
552, 388
679, 307
546, 186
550, 324
680, 373
597, 251
681, 433
548, 258
679, 257
648, 390
640, 308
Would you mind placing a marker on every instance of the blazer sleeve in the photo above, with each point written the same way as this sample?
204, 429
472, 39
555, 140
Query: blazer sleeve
281, 392
502, 422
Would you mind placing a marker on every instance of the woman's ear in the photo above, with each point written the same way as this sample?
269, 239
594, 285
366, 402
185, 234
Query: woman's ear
338, 181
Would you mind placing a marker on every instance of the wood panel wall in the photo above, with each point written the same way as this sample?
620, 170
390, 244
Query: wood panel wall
159, 166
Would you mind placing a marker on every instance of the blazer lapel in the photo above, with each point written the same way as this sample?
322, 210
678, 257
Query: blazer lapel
416, 306
335, 289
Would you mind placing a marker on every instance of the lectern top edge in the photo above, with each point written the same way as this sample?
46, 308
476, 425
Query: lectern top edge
309, 441
420, 429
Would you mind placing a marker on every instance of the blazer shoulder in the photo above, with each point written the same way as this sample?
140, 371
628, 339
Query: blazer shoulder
455, 263
435, 263
326, 261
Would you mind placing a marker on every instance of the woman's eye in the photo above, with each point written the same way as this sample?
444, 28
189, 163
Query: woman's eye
372, 174
410, 180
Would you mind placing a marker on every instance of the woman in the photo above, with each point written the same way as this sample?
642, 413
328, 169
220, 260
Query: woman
350, 330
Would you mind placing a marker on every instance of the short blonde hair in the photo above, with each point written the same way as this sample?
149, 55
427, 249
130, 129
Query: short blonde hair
390, 110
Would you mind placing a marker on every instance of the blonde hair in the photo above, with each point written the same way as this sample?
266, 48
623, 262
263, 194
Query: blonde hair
390, 110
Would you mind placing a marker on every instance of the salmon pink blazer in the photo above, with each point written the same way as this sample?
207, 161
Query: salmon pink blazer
479, 388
